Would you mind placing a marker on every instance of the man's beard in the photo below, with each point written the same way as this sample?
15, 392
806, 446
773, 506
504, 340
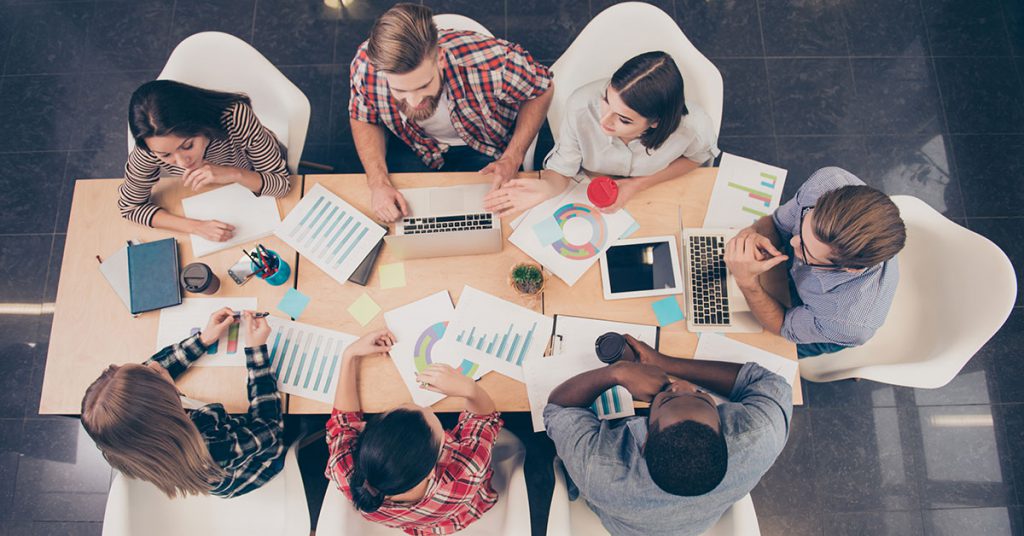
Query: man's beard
424, 112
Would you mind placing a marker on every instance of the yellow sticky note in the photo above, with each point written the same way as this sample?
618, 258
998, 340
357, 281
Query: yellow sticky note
364, 309
392, 275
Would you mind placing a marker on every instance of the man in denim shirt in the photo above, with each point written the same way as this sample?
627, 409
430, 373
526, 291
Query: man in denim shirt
678, 471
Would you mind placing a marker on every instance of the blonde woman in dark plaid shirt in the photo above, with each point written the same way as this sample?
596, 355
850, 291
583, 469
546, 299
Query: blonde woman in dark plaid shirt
403, 469
147, 430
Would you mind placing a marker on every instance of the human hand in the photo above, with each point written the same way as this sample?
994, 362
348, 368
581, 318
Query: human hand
217, 326
627, 189
256, 330
209, 174
748, 257
502, 170
518, 194
764, 248
388, 203
444, 379
375, 342
643, 351
642, 381
216, 231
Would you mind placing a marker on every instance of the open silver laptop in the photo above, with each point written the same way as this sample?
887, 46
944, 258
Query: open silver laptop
445, 222
713, 300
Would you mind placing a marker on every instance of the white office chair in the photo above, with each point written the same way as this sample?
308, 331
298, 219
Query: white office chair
511, 515
956, 289
575, 518
279, 507
451, 21
223, 62
621, 32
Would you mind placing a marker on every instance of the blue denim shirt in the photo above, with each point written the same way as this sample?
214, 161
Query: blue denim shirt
605, 459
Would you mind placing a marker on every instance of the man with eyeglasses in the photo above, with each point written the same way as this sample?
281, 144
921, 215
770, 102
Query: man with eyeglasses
843, 237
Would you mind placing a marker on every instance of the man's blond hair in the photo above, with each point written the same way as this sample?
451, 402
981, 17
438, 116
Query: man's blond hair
402, 38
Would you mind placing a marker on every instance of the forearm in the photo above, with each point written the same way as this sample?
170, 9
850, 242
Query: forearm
679, 167
581, 390
769, 312
556, 183
346, 396
714, 375
531, 117
165, 220
250, 179
480, 402
264, 399
176, 358
765, 226
371, 144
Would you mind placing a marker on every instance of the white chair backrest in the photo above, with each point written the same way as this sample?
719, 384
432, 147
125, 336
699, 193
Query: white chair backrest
223, 62
956, 289
450, 21
621, 32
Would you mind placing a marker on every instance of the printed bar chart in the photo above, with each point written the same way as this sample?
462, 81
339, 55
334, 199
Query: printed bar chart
745, 190
613, 403
177, 323
305, 359
516, 352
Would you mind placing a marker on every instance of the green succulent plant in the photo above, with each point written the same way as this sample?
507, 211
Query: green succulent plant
528, 278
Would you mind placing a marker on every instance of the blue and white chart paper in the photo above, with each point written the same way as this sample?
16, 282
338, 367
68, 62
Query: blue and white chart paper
331, 233
305, 359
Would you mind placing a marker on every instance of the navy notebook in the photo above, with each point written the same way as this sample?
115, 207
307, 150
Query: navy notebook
153, 275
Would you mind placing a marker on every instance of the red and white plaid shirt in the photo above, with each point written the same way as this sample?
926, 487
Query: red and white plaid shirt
486, 80
460, 491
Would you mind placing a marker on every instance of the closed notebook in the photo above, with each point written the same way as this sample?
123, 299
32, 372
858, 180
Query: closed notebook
153, 275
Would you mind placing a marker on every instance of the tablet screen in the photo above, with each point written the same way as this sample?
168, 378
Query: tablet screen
638, 267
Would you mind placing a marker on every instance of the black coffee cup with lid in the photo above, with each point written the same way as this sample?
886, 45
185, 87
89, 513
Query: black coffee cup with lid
612, 347
200, 279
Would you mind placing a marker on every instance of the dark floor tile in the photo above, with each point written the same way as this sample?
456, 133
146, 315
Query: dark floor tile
1001, 353
897, 96
10, 442
56, 528
760, 148
340, 92
1013, 12
1012, 418
803, 28
101, 109
793, 524
874, 523
994, 106
129, 35
59, 506
48, 38
316, 82
7, 28
861, 459
803, 155
990, 170
23, 261
727, 28
851, 393
961, 458
342, 157
292, 32
976, 383
29, 181
234, 17
20, 353
747, 110
965, 28
490, 14
959, 521
83, 165
884, 28
544, 28
53, 272
37, 112
356, 20
920, 166
789, 485
812, 96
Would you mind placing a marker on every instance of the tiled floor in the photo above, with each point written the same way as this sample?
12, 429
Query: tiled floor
920, 97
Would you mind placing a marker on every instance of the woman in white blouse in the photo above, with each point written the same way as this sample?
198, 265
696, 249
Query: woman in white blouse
636, 128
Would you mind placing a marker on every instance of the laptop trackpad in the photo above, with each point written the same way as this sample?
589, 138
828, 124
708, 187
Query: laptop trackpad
446, 202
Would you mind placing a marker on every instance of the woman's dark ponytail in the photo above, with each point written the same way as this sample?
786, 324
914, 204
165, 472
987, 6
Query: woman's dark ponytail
366, 497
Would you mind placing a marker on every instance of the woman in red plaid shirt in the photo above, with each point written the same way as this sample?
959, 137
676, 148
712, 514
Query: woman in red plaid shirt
404, 470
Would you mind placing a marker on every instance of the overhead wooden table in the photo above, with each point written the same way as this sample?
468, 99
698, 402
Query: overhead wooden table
91, 326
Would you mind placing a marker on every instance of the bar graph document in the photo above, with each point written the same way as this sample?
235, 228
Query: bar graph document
745, 191
306, 359
189, 318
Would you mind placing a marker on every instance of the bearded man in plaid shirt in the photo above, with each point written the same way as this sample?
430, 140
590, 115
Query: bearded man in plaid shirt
452, 101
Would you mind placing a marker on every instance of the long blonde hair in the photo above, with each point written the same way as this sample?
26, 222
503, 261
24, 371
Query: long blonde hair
137, 420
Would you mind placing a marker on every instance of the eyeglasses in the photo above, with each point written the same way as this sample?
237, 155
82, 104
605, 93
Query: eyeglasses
803, 245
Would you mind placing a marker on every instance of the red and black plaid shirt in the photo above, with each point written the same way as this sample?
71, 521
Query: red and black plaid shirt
460, 491
487, 79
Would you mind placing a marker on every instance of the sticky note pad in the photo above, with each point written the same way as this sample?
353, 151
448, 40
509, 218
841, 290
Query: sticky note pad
548, 231
293, 303
392, 275
667, 310
364, 309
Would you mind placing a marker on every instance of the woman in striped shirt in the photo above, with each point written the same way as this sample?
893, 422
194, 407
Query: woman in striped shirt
207, 137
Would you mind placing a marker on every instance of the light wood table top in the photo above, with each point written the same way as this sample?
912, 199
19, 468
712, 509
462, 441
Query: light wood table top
91, 326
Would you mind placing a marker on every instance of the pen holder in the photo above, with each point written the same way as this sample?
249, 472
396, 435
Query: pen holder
278, 276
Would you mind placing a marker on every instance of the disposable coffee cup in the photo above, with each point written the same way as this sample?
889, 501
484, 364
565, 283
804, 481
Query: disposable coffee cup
198, 278
602, 192
612, 347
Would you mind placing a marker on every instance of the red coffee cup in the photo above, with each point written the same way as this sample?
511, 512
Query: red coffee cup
602, 192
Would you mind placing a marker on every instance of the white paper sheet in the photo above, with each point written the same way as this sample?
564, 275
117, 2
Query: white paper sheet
718, 347
253, 217
545, 373
306, 359
496, 334
181, 321
418, 327
745, 190
585, 233
331, 233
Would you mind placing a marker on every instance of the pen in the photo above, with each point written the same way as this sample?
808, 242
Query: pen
257, 315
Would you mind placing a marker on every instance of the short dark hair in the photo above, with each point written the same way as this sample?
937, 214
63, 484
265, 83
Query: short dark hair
394, 453
169, 108
861, 224
652, 85
687, 458
402, 38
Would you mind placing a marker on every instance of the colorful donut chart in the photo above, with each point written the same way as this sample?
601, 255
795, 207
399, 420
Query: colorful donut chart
598, 235
426, 343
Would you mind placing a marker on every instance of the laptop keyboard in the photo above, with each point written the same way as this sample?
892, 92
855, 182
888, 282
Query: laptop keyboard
444, 224
708, 281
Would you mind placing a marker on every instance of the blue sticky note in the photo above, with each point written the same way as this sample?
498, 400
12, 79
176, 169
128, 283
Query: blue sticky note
548, 231
293, 303
667, 310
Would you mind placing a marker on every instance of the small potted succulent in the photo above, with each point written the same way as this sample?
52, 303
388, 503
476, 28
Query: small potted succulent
526, 278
